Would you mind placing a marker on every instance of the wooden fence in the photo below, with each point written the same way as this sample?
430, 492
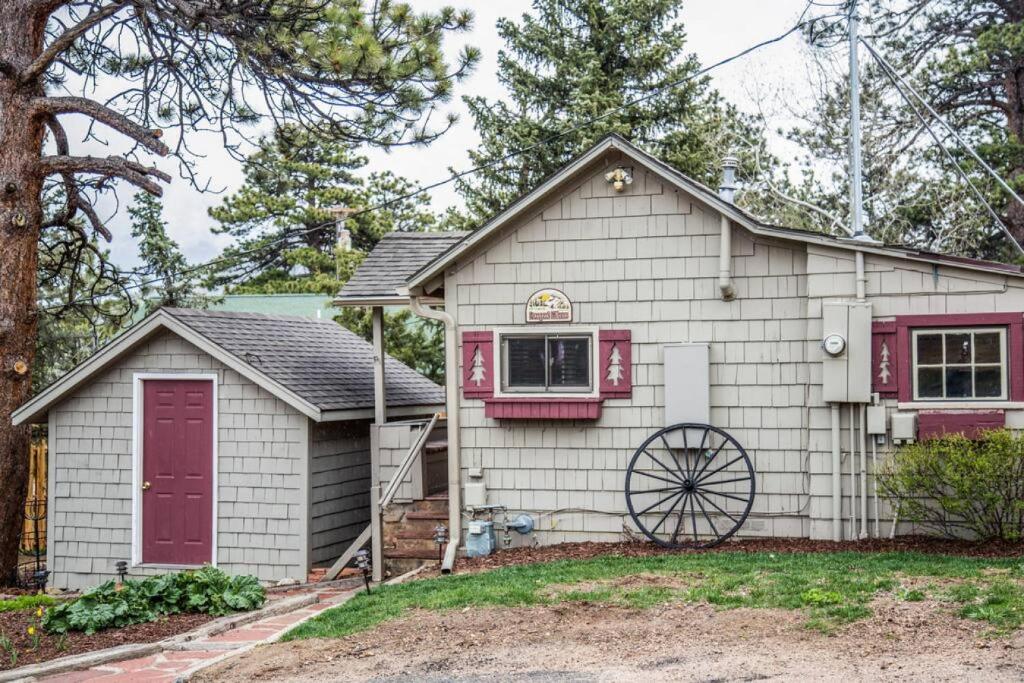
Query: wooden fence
33, 536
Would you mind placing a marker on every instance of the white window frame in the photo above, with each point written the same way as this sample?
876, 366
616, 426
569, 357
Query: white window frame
1004, 369
499, 365
138, 405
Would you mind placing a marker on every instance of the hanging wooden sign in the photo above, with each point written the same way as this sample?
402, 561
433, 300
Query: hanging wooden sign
548, 306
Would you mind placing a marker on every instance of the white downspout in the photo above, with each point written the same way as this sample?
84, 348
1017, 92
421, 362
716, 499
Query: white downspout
837, 477
726, 192
863, 472
452, 406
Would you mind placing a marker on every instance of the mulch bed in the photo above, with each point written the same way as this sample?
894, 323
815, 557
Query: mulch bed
15, 626
583, 551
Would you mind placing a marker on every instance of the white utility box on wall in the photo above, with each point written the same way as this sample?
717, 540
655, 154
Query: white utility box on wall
687, 388
904, 427
846, 351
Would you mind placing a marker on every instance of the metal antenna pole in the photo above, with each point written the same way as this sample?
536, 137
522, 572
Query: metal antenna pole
856, 166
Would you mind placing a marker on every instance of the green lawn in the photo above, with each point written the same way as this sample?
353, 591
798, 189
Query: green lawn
830, 588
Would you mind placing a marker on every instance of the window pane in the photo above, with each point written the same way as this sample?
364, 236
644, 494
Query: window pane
988, 383
987, 348
958, 383
929, 382
958, 349
570, 362
525, 361
929, 349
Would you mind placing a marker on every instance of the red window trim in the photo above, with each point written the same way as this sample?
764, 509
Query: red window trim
543, 409
1014, 323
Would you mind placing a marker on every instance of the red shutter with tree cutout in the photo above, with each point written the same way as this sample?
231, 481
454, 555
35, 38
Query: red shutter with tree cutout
478, 364
885, 375
615, 363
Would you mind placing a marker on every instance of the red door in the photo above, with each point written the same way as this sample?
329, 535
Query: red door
177, 471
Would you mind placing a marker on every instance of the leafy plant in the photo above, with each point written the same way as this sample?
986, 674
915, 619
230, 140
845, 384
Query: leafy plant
7, 646
25, 602
954, 485
207, 590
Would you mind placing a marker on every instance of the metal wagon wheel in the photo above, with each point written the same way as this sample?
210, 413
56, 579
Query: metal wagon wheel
690, 486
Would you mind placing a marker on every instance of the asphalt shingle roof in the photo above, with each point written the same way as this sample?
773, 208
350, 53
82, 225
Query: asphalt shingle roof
395, 259
322, 362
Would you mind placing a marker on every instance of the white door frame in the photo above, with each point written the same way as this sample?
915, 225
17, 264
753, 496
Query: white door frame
138, 406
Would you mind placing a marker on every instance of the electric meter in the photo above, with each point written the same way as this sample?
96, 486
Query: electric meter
834, 345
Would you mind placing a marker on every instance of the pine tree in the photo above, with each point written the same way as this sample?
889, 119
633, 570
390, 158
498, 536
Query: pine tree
169, 278
615, 374
478, 372
572, 60
284, 219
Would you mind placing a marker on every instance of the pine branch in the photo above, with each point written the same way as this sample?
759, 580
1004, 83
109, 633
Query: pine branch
110, 167
148, 138
63, 42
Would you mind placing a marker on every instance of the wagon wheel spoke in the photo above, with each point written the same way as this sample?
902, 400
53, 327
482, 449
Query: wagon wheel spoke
710, 460
663, 465
704, 512
643, 473
715, 505
719, 469
667, 513
651, 507
690, 486
685, 475
702, 484
726, 495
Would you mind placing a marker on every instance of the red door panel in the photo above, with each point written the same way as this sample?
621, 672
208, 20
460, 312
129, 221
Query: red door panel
177, 471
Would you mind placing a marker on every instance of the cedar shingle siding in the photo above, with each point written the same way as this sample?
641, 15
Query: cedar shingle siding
646, 260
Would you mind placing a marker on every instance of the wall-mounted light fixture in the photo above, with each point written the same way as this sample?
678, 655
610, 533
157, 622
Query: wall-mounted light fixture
619, 178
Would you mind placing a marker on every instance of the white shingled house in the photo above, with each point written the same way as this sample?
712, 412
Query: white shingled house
234, 439
620, 298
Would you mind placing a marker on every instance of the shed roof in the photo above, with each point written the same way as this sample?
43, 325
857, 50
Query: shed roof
394, 260
317, 366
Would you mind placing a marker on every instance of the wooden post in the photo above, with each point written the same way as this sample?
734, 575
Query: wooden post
379, 397
376, 534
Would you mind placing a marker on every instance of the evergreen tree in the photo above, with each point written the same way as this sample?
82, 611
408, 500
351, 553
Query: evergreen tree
285, 215
572, 60
168, 278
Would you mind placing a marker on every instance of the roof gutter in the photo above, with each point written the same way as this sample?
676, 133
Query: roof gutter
418, 307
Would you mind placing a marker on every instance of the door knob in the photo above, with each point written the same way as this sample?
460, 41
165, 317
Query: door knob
146, 485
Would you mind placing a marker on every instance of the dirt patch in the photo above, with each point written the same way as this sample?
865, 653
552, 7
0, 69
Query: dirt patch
626, 583
15, 625
683, 641
583, 551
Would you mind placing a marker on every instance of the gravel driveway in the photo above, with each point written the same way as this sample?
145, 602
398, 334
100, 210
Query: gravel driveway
905, 641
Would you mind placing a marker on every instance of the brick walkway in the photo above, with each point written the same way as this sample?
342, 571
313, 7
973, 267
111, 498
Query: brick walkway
174, 665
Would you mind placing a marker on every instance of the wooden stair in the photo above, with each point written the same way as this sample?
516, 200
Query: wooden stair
409, 532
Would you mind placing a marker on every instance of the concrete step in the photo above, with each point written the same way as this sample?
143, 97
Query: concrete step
436, 446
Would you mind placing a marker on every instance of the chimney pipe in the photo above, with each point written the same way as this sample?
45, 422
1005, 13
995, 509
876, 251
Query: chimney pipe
727, 192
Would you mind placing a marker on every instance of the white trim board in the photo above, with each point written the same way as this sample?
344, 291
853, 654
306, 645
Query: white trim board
137, 409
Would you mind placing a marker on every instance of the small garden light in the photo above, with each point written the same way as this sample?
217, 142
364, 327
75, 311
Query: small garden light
122, 570
440, 538
39, 578
363, 562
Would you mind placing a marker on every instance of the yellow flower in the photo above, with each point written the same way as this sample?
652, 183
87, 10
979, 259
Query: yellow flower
39, 612
31, 630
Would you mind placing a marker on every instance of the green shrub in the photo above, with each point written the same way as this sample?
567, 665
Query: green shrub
25, 602
953, 484
207, 590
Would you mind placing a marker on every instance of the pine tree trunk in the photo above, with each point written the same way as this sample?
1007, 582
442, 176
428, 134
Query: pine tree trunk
21, 39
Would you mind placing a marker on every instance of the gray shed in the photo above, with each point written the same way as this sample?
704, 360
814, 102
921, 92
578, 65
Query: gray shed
234, 439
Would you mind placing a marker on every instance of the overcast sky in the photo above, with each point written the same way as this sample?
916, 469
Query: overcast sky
716, 29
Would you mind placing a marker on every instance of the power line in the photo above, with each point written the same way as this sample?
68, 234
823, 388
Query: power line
895, 79
802, 21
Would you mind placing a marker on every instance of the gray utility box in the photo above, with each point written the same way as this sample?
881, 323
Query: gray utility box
687, 389
846, 376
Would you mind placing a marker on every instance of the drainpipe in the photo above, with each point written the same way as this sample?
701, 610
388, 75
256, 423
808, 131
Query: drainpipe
837, 478
452, 406
727, 192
